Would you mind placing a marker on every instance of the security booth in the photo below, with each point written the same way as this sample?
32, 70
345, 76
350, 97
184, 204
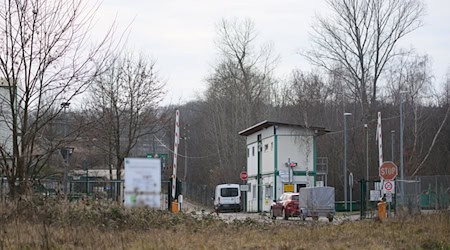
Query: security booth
281, 157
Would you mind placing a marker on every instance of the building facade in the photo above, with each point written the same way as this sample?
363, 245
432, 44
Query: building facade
281, 157
5, 118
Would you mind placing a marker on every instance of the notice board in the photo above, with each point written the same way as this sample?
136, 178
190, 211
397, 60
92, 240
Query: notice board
142, 186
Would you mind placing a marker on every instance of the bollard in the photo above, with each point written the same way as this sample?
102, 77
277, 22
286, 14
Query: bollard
175, 206
382, 214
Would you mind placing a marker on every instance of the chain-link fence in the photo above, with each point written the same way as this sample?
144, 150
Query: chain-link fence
96, 189
81, 189
200, 194
424, 192
409, 199
434, 191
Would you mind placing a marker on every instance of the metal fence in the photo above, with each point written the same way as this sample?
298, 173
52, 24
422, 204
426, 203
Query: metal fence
434, 191
82, 189
200, 194
97, 189
410, 201
423, 192
420, 192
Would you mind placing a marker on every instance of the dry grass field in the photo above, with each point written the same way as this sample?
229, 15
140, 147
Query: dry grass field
58, 225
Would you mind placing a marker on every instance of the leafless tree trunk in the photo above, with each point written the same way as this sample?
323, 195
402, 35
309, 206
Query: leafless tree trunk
45, 60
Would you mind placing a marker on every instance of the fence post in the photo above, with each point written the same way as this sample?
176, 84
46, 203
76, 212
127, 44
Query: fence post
362, 185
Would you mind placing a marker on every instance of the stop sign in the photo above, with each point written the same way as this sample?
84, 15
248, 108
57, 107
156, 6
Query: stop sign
243, 175
388, 170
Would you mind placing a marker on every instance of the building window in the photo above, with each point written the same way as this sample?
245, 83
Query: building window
266, 147
248, 152
254, 191
271, 146
253, 151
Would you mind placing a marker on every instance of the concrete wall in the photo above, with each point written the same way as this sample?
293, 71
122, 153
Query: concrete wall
252, 159
299, 149
267, 152
266, 193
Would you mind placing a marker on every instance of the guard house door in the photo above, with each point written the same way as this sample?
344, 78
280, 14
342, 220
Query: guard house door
300, 186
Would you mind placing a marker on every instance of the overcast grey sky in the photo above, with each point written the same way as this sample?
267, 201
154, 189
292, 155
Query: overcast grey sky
180, 35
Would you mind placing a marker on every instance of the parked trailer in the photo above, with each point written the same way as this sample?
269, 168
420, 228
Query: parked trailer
317, 201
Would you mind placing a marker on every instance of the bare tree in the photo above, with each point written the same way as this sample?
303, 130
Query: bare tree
308, 92
124, 105
238, 90
445, 109
45, 59
411, 73
361, 37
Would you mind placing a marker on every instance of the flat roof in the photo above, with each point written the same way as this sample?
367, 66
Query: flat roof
265, 124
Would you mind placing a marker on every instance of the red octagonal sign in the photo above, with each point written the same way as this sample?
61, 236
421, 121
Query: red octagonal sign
388, 170
243, 175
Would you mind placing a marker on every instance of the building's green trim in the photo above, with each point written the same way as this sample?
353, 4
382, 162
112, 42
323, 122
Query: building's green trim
261, 140
275, 163
303, 173
315, 159
300, 173
261, 175
258, 173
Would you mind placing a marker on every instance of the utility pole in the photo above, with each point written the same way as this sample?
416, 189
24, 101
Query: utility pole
186, 131
65, 106
185, 159
401, 148
345, 159
367, 166
393, 145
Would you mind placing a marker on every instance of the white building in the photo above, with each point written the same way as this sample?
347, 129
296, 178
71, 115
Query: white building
5, 118
281, 157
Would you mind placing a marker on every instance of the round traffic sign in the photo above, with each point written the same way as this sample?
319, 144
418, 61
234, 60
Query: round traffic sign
388, 170
388, 186
243, 175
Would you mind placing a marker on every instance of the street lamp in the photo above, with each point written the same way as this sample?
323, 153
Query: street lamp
345, 158
392, 145
401, 146
367, 165
65, 106
350, 177
185, 158
185, 138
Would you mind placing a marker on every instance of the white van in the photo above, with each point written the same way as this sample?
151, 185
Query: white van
227, 197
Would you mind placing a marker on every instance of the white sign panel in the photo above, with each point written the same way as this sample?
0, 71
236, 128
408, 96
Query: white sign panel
388, 197
378, 185
375, 195
244, 188
142, 182
284, 175
388, 187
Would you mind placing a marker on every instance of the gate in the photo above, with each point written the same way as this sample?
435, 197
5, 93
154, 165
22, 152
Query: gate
369, 207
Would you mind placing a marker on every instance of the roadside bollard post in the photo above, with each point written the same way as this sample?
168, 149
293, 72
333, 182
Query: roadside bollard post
382, 215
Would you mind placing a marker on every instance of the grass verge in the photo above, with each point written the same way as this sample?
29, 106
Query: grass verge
60, 225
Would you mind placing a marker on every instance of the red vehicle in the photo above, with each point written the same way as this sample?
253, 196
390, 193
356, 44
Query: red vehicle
286, 206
